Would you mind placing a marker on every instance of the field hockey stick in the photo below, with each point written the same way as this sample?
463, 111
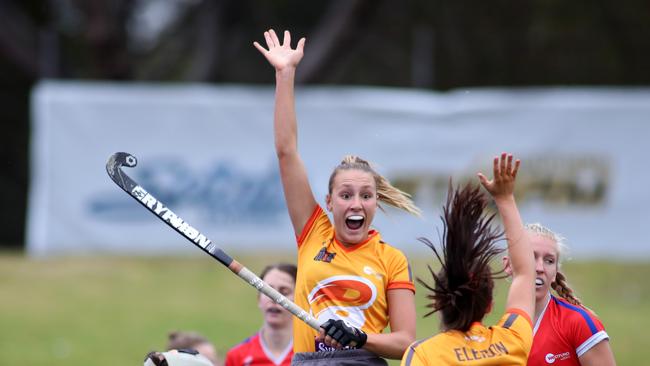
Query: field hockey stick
113, 167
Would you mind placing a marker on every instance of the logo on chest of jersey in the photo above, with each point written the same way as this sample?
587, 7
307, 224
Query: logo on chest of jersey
550, 358
324, 256
342, 297
248, 360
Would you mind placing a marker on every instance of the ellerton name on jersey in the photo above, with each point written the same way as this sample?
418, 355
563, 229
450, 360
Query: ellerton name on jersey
169, 216
471, 354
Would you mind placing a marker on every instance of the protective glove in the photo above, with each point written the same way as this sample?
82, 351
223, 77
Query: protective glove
344, 333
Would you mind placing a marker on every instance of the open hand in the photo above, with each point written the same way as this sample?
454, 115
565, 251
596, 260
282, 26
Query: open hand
281, 55
503, 183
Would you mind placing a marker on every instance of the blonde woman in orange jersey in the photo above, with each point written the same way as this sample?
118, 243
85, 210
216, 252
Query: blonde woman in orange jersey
348, 278
462, 290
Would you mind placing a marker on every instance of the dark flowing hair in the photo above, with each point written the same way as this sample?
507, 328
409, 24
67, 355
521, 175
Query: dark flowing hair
462, 289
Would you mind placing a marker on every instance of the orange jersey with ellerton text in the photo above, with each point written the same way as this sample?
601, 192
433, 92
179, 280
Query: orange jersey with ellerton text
508, 343
349, 283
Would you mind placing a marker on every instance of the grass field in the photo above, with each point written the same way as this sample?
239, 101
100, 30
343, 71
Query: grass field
111, 311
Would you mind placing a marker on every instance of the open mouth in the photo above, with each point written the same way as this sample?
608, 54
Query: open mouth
354, 222
539, 282
274, 311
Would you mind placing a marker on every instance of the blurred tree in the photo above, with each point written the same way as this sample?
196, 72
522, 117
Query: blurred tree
19, 37
435, 44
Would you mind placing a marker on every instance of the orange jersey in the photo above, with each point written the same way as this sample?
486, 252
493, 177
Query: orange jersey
507, 343
349, 283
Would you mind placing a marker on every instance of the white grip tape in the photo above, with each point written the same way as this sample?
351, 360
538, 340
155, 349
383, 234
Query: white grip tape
269, 291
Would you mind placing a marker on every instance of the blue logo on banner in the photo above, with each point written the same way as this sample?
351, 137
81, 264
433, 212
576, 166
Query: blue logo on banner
222, 193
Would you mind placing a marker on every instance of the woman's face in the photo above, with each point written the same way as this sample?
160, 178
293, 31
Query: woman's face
546, 264
275, 315
353, 203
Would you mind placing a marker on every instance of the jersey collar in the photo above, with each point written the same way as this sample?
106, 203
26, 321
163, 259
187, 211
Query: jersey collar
267, 351
541, 315
372, 235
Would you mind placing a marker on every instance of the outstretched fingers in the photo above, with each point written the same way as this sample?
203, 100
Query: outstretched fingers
496, 168
510, 171
516, 168
483, 180
301, 44
502, 164
260, 48
269, 39
280, 54
505, 169
274, 38
286, 42
488, 183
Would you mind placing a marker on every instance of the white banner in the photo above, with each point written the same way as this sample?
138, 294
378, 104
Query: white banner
207, 153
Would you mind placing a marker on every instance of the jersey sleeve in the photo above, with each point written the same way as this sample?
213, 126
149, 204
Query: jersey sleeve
412, 356
317, 225
399, 272
586, 329
518, 323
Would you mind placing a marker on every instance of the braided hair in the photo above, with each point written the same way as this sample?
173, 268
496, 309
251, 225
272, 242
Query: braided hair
563, 290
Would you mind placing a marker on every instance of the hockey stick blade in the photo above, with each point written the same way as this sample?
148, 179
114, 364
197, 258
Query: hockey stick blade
114, 170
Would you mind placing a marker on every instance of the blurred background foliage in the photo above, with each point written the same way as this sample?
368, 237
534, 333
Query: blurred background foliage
437, 45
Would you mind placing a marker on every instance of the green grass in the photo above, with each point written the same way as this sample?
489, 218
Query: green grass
112, 311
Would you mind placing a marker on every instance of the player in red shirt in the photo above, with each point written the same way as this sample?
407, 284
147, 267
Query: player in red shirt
566, 333
273, 344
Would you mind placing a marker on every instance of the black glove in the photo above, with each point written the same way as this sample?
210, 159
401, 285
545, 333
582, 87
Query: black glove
344, 333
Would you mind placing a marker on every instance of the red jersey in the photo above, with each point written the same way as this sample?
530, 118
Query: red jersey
563, 333
253, 352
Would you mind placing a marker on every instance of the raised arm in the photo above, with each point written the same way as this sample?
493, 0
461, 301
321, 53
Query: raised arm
297, 191
522, 290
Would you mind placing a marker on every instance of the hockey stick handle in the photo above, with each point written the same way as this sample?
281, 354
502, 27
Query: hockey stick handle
250, 277
151, 203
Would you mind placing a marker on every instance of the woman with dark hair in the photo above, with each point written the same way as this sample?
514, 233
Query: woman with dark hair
462, 289
353, 282
272, 345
